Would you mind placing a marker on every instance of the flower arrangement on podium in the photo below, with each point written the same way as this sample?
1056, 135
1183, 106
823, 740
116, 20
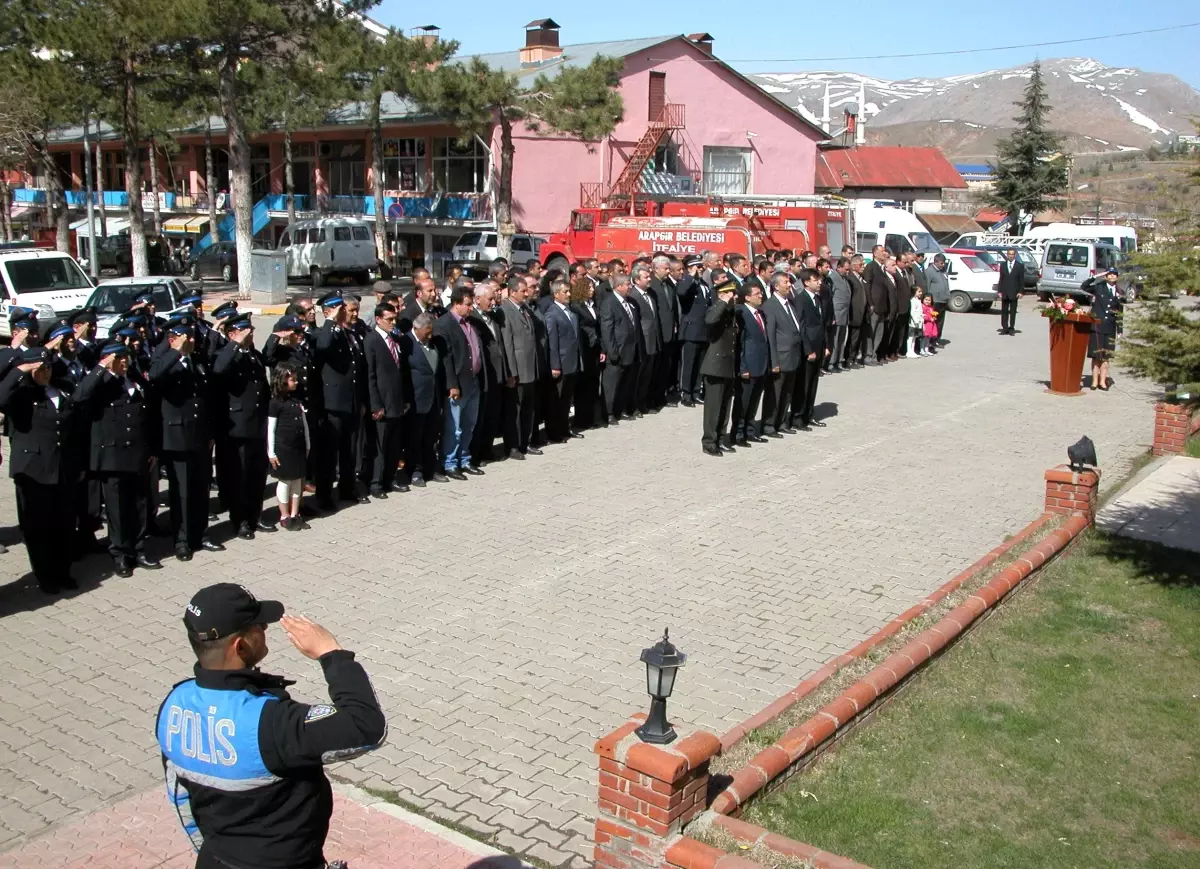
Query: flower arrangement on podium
1059, 308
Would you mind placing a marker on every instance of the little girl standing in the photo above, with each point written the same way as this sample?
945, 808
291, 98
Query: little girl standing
916, 323
287, 445
930, 348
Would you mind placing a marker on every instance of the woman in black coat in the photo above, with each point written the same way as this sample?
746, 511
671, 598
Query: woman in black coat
1106, 308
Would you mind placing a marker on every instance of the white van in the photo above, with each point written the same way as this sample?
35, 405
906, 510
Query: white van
1123, 238
897, 229
46, 281
330, 247
479, 246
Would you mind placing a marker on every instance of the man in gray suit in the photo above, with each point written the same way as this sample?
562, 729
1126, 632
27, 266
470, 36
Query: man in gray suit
648, 307
841, 292
524, 371
562, 332
620, 340
783, 338
938, 282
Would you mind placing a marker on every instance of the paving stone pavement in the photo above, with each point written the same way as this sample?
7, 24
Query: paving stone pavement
1163, 507
501, 618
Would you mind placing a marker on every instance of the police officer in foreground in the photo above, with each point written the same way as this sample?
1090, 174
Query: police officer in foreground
242, 760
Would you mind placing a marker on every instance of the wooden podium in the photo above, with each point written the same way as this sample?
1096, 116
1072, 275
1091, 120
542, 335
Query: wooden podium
1068, 348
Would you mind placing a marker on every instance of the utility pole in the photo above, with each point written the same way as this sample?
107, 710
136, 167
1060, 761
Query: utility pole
93, 258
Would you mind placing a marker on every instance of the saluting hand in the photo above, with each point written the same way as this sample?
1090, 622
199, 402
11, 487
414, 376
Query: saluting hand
310, 639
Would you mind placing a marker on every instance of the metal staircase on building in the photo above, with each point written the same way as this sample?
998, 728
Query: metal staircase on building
260, 217
672, 117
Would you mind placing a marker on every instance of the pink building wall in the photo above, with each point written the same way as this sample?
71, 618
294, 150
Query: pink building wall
721, 108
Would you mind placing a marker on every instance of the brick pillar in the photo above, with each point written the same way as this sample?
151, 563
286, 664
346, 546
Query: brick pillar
1171, 424
648, 793
1070, 492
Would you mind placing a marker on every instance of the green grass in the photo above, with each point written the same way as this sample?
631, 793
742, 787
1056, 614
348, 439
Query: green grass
1193, 447
1062, 733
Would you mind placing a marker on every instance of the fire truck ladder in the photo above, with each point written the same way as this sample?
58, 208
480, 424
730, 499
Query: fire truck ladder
670, 118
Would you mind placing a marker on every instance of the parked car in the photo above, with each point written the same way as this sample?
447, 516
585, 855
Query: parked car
480, 246
115, 252
972, 283
218, 261
113, 297
46, 281
1066, 264
330, 247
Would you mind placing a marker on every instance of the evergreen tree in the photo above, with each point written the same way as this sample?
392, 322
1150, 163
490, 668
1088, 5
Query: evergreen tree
18, 126
1030, 167
580, 103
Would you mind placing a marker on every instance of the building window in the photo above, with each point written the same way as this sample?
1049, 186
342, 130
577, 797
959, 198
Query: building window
459, 167
726, 170
347, 168
404, 164
114, 170
260, 171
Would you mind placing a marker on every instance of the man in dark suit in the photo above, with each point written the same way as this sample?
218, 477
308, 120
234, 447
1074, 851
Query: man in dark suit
879, 300
462, 351
783, 342
488, 322
45, 462
241, 376
720, 364
621, 341
336, 368
860, 323
589, 408
813, 346
424, 297
899, 304
423, 423
523, 365
754, 359
562, 329
388, 383
1012, 279
645, 399
662, 285
694, 295
182, 384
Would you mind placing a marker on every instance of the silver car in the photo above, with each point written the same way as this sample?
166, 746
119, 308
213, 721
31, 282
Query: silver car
480, 246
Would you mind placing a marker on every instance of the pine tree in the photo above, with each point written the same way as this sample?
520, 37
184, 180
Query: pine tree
580, 103
1030, 167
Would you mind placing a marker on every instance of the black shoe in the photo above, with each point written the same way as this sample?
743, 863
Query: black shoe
818, 423
209, 546
516, 454
533, 451
379, 495
148, 563
473, 470
456, 474
612, 420
775, 434
757, 439
804, 427
361, 499
743, 443
637, 414
787, 429
245, 532
183, 554
713, 451
123, 567
418, 481
439, 477
266, 527
1093, 387
728, 448
400, 487
687, 402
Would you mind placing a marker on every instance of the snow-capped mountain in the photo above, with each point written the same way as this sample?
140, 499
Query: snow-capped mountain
1100, 108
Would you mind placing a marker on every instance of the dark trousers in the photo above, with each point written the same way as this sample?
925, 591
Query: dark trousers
810, 374
558, 415
335, 456
387, 445
246, 464
831, 334
520, 411
487, 424
841, 335
125, 506
667, 374
782, 386
691, 359
588, 407
899, 333
46, 513
1008, 313
880, 334
647, 377
188, 475
152, 480
205, 860
941, 308
420, 432
87, 507
718, 401
619, 382
745, 407
223, 467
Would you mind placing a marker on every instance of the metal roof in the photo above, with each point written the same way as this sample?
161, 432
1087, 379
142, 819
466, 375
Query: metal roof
891, 166
941, 222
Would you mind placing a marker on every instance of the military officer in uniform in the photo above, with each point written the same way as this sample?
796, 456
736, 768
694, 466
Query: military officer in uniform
243, 760
240, 376
44, 463
115, 406
83, 322
720, 365
337, 366
182, 385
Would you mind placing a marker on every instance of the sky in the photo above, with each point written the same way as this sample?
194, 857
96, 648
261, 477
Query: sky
779, 36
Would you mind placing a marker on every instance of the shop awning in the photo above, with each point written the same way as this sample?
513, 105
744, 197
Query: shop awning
176, 226
198, 225
114, 225
945, 224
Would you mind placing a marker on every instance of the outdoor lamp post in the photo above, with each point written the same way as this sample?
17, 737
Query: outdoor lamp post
662, 660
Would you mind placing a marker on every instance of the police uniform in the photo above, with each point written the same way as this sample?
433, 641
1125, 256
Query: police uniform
118, 413
243, 761
45, 461
337, 367
240, 376
719, 368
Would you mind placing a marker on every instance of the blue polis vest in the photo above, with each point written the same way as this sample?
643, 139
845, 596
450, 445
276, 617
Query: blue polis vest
210, 738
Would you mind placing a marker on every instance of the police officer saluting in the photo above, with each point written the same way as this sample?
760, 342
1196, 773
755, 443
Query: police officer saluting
45, 465
242, 760
720, 363
115, 406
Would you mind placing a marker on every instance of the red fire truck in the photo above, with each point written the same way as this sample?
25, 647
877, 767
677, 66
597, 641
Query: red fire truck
793, 223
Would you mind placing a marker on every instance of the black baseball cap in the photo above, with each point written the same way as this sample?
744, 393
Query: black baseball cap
224, 609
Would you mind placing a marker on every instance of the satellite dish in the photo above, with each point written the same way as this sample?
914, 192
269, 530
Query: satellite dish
852, 108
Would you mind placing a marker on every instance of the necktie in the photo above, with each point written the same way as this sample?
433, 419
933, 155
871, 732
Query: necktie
393, 349
758, 317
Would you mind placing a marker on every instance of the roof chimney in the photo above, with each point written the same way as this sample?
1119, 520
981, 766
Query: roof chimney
702, 41
541, 42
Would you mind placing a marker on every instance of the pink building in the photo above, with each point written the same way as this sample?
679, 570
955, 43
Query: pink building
722, 134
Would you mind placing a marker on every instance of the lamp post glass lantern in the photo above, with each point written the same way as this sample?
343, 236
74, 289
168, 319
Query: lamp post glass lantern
661, 660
